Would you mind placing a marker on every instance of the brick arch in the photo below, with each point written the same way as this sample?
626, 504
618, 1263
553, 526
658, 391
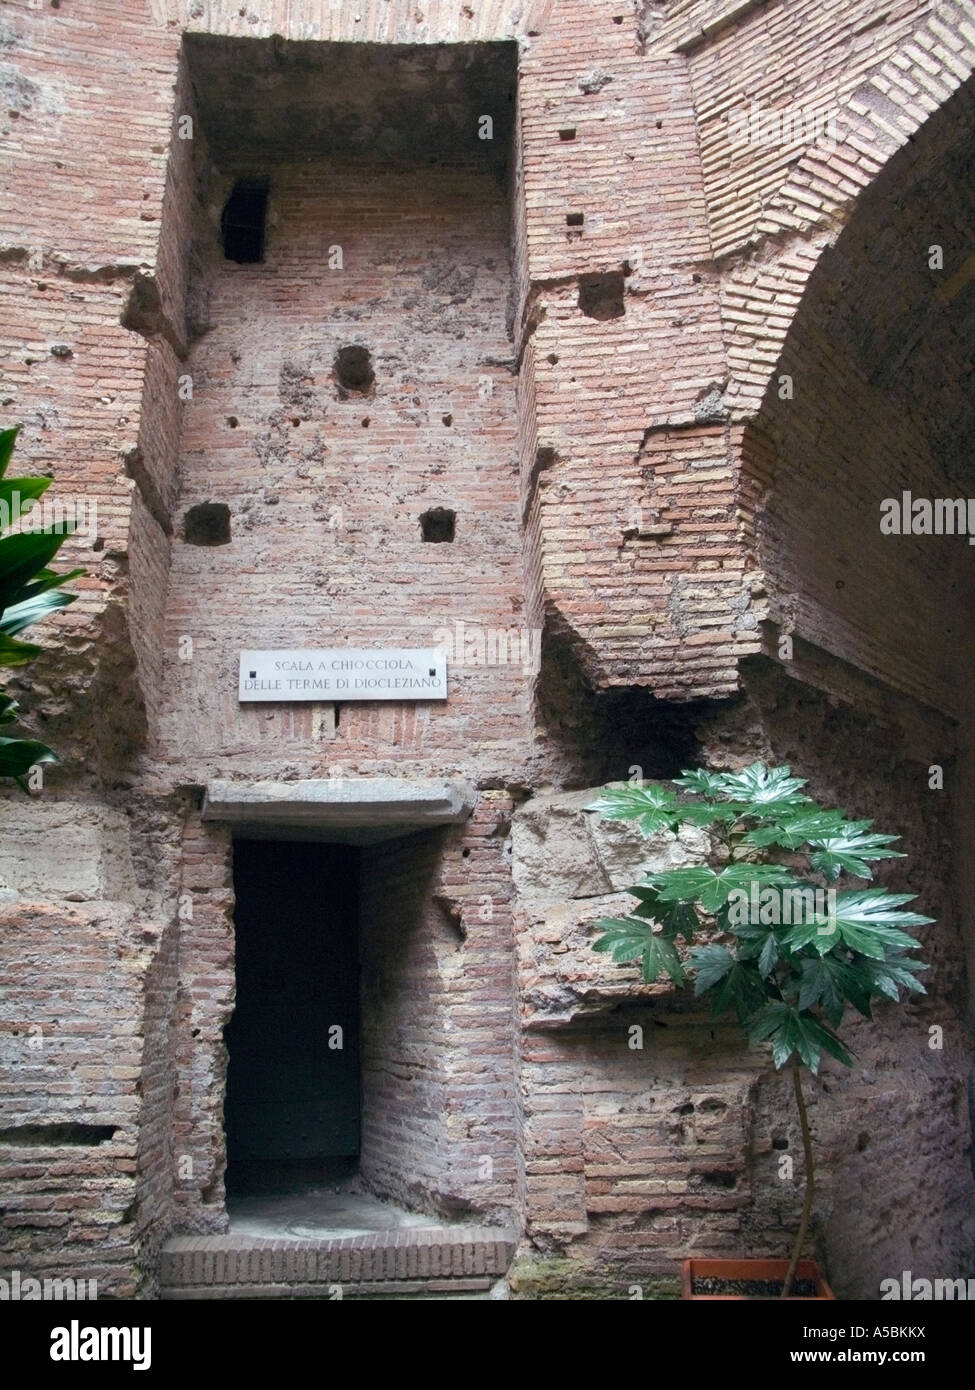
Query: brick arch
879, 358
871, 691
772, 214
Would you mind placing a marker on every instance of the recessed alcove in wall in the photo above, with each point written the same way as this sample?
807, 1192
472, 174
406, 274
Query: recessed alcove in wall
276, 98
353, 369
603, 734
438, 525
601, 296
207, 523
243, 221
373, 149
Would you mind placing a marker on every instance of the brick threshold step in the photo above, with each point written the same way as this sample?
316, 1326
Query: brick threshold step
400, 1262
379, 1288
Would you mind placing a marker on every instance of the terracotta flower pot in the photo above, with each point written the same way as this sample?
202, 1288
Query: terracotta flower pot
738, 1274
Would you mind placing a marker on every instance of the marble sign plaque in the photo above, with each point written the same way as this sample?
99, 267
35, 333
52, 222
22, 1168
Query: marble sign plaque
339, 674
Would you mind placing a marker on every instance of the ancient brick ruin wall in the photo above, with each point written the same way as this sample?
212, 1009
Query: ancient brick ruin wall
629, 445
333, 484
159, 308
634, 520
73, 1056
905, 1092
880, 392
75, 231
87, 155
440, 1054
640, 1150
203, 1006
876, 74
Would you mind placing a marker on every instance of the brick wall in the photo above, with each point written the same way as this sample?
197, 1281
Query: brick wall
158, 308
77, 1049
86, 156
439, 1075
878, 405
204, 1002
652, 1132
633, 519
622, 486
327, 493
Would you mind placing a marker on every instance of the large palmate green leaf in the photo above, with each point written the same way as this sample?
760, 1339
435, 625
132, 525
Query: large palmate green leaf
712, 888
626, 938
623, 937
796, 827
849, 851
867, 920
831, 982
736, 984
653, 808
710, 784
885, 976
764, 787
793, 1031
675, 919
711, 964
766, 945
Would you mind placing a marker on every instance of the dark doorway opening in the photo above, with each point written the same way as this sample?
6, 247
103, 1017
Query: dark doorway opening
292, 1112
243, 221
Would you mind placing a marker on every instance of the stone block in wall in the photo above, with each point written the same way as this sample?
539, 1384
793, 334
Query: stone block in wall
66, 849
570, 867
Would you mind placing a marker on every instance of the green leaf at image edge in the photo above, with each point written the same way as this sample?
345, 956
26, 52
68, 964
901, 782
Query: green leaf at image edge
19, 755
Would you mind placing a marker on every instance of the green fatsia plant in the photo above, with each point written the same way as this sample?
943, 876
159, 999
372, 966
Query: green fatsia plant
793, 937
28, 591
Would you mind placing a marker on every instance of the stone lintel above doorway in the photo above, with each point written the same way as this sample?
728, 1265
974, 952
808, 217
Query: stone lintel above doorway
358, 810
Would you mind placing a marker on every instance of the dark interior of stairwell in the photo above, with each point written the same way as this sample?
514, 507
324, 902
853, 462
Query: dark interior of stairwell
292, 1110
293, 1107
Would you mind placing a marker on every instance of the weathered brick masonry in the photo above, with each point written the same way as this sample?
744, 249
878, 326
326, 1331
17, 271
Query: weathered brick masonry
663, 378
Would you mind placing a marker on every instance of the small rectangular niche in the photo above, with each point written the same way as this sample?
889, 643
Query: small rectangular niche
48, 1136
438, 524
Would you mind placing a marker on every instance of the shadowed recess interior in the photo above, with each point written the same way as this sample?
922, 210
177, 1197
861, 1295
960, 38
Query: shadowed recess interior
293, 1096
243, 222
279, 99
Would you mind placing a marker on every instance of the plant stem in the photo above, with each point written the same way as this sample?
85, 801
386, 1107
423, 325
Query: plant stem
810, 1184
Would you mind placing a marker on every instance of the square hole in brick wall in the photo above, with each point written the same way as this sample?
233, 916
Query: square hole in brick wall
438, 524
601, 296
207, 523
